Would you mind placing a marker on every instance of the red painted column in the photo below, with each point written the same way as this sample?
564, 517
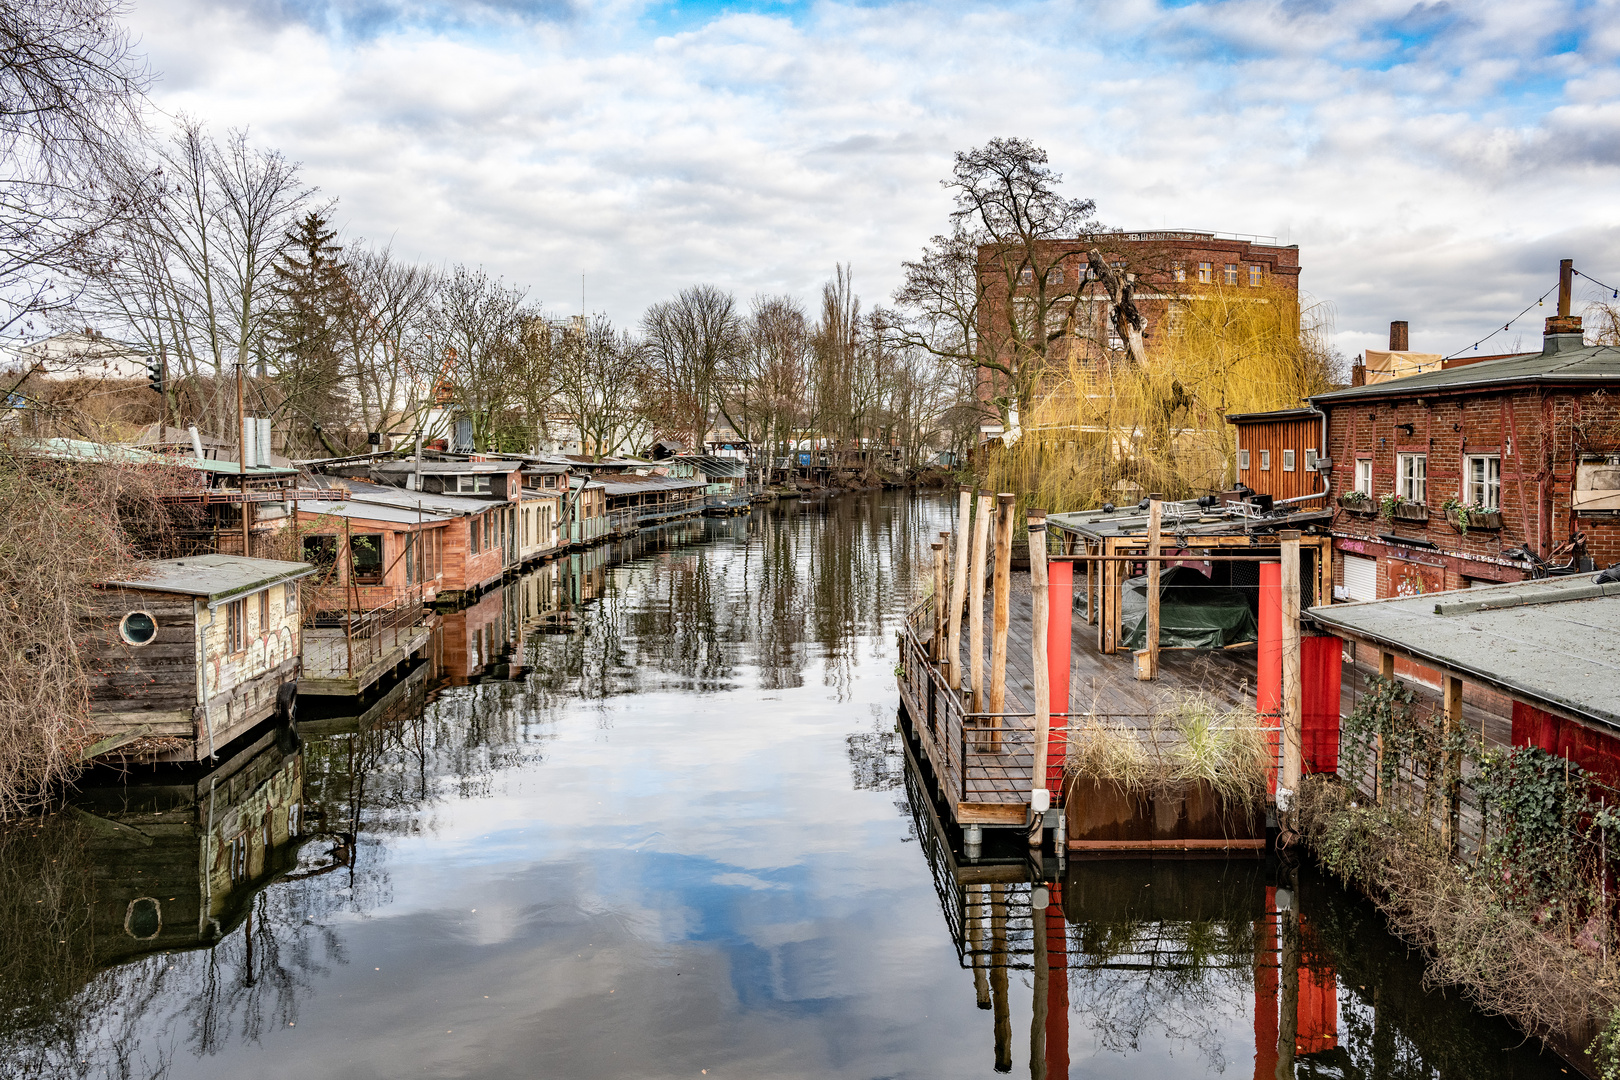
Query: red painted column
1266, 960
1059, 649
1268, 673
1057, 1007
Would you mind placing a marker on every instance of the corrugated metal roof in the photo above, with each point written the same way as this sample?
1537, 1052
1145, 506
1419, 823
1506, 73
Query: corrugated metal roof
1555, 642
372, 512
451, 468
217, 577
83, 450
386, 495
1266, 417
628, 483
1564, 359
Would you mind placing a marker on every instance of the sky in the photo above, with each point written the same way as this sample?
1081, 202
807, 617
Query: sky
1433, 161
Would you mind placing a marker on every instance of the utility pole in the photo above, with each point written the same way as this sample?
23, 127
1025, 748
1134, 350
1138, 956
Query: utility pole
241, 456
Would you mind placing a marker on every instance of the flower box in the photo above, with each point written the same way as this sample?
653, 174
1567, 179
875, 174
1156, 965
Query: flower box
1365, 507
1414, 513
1481, 520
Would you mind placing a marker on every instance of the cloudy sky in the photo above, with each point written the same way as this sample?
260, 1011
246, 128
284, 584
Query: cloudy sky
1433, 161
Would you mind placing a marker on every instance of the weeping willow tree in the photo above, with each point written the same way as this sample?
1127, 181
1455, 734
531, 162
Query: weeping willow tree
1104, 429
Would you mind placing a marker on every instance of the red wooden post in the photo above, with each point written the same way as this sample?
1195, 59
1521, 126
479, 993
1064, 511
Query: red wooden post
1059, 649
1268, 674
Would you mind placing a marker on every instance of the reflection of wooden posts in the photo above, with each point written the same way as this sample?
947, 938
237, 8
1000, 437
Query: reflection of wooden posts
953, 643
1293, 750
998, 977
979, 942
1288, 1029
1147, 660
1452, 767
1040, 616
1042, 973
936, 643
981, 543
1001, 613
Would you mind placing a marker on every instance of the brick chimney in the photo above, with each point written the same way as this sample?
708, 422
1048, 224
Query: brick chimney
1564, 322
1397, 337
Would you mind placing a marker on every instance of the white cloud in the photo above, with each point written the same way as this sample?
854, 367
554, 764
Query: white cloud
1432, 161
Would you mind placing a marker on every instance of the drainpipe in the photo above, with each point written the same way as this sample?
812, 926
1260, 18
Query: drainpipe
1321, 456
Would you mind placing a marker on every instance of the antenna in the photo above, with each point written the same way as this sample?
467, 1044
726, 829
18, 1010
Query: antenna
582, 293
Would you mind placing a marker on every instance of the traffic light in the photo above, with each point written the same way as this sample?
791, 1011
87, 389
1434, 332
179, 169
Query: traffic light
154, 375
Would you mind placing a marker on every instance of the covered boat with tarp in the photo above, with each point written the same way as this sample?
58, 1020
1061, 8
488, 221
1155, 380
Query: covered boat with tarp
1194, 612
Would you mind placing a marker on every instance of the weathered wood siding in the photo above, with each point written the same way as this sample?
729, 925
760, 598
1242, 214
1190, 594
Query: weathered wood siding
153, 684
1275, 438
241, 686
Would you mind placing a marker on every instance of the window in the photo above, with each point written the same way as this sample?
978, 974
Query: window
1265, 461
236, 626
1310, 460
366, 553
1180, 272
1205, 273
1412, 477
1483, 482
138, 628
477, 535
1231, 273
1026, 276
410, 560
1364, 475
475, 485
1243, 461
1254, 277
289, 594
1056, 276
321, 550
264, 611
1288, 461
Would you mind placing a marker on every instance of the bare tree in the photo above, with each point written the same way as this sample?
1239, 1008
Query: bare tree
71, 94
602, 381
384, 328
690, 339
478, 323
766, 385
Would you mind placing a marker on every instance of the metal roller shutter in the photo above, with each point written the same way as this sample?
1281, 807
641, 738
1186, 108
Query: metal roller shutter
1360, 577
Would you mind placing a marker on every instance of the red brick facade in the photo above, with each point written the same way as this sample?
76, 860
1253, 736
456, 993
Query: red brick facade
1537, 433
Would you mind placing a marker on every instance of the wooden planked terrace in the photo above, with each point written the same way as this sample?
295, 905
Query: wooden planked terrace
982, 764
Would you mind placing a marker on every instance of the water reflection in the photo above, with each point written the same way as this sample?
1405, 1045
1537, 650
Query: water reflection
1200, 966
645, 812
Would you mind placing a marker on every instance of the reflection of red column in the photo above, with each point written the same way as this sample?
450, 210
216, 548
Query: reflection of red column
1268, 672
1060, 580
1318, 1003
1057, 1008
1265, 988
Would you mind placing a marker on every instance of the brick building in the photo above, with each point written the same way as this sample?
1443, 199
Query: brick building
1528, 445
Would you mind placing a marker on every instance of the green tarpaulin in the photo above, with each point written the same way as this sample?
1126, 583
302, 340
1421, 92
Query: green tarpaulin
1193, 612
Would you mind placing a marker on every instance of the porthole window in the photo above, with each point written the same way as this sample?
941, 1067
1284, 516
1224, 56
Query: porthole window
143, 919
138, 628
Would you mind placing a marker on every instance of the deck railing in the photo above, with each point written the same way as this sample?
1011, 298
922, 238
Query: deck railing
340, 643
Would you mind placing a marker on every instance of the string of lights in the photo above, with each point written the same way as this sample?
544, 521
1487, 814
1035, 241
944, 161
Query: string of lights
1614, 293
1507, 325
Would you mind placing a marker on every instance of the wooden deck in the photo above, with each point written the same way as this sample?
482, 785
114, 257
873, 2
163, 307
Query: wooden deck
326, 668
983, 764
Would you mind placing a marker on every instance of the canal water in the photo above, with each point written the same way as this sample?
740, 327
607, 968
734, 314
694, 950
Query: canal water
646, 814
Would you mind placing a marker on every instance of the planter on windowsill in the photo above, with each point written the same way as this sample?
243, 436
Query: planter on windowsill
1480, 520
1363, 507
1411, 513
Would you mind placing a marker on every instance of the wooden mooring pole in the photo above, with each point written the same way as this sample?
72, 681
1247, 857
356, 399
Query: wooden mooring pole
1293, 749
1147, 661
981, 543
1001, 612
1040, 611
953, 644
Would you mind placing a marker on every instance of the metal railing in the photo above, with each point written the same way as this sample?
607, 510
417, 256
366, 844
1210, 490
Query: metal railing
340, 643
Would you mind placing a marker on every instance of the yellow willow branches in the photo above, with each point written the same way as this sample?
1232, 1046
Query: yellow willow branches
1106, 430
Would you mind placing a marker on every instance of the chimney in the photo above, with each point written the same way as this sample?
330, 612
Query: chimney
1563, 324
1397, 336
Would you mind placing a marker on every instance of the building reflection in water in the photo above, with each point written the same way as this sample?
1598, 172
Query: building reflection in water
1135, 958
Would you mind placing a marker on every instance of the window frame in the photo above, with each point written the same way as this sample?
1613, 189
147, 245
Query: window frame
1491, 485
1206, 273
1231, 273
1364, 476
1243, 461
1412, 477
1256, 275
1265, 461
236, 626
1289, 458
123, 625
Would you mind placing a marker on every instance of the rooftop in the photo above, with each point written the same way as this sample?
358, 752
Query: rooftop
1564, 359
216, 577
448, 468
83, 450
1179, 519
1554, 642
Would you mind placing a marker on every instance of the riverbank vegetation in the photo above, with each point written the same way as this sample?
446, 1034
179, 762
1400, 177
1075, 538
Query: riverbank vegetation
1518, 909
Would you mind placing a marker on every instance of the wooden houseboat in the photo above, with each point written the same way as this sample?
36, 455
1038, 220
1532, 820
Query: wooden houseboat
190, 654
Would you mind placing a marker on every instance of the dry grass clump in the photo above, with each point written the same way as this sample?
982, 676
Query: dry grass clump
1190, 738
